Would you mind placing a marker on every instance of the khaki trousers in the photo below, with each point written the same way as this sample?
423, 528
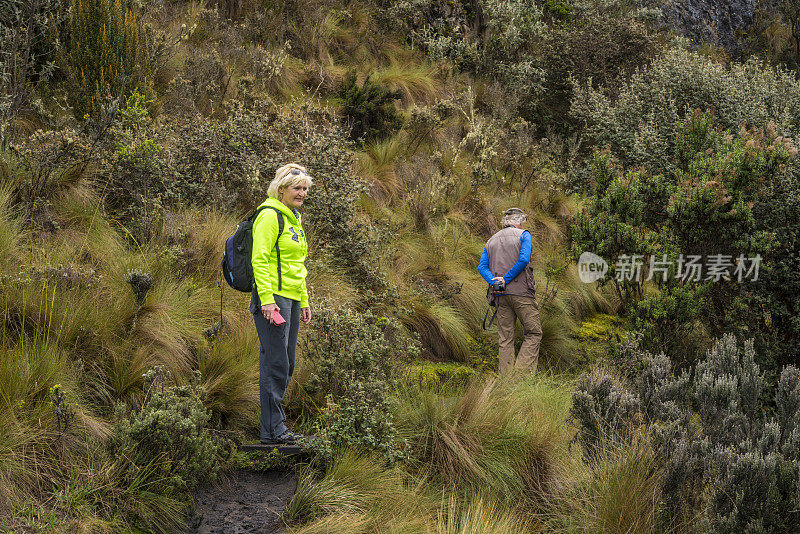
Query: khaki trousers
509, 309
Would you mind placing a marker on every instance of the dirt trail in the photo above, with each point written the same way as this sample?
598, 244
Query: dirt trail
247, 502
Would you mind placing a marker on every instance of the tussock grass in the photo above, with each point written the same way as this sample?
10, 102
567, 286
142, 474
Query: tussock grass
497, 437
417, 82
376, 164
10, 227
205, 233
618, 493
487, 462
20, 446
441, 329
113, 487
479, 516
357, 485
119, 375
28, 370
558, 346
229, 369
172, 320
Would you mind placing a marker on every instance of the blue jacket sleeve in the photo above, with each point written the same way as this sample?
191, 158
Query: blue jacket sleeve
524, 257
483, 267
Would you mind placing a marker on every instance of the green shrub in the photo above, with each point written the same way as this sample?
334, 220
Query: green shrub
640, 122
777, 295
170, 430
702, 202
136, 170
31, 34
369, 109
354, 357
107, 54
598, 44
672, 320
732, 460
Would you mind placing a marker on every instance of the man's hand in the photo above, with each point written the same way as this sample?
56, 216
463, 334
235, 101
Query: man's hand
498, 279
269, 311
305, 315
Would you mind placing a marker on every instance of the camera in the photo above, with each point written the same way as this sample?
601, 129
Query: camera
498, 286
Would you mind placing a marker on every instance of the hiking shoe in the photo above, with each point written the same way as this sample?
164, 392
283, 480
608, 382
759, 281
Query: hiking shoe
290, 438
287, 438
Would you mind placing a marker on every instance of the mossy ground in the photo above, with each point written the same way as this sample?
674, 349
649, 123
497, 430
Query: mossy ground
596, 336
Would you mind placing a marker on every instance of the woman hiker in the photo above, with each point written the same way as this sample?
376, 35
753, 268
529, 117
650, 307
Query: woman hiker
279, 300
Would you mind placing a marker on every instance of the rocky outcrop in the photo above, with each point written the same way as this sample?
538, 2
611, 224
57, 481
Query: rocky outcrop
719, 22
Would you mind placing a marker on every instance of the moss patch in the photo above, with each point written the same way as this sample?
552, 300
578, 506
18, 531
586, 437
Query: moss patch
439, 375
596, 336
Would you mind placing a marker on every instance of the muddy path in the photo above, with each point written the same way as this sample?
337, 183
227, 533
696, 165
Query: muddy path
244, 502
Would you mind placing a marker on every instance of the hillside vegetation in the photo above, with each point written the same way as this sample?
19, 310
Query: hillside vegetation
136, 134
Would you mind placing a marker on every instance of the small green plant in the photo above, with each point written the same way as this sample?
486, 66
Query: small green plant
135, 186
170, 430
140, 283
557, 9
258, 461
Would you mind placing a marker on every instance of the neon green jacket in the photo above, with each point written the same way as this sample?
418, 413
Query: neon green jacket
293, 247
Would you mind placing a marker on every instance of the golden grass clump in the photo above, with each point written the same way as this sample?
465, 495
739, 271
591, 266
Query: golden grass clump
417, 82
357, 488
479, 515
498, 437
618, 493
229, 370
376, 164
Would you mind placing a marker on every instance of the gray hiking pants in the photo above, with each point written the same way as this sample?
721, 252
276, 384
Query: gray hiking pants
276, 364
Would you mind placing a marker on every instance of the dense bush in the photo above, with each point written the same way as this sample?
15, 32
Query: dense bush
603, 410
355, 358
703, 202
641, 121
30, 41
369, 109
734, 459
595, 44
107, 55
493, 38
136, 170
170, 432
776, 300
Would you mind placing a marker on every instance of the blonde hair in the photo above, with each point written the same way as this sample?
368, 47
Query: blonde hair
285, 177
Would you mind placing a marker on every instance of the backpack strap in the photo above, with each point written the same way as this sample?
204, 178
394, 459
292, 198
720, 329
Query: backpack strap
277, 248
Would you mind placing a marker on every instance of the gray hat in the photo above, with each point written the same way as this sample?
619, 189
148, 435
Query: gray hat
513, 216
514, 211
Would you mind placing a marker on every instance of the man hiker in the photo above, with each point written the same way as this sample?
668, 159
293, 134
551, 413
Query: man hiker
505, 265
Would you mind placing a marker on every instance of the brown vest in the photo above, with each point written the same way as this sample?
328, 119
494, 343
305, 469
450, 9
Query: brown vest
503, 250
